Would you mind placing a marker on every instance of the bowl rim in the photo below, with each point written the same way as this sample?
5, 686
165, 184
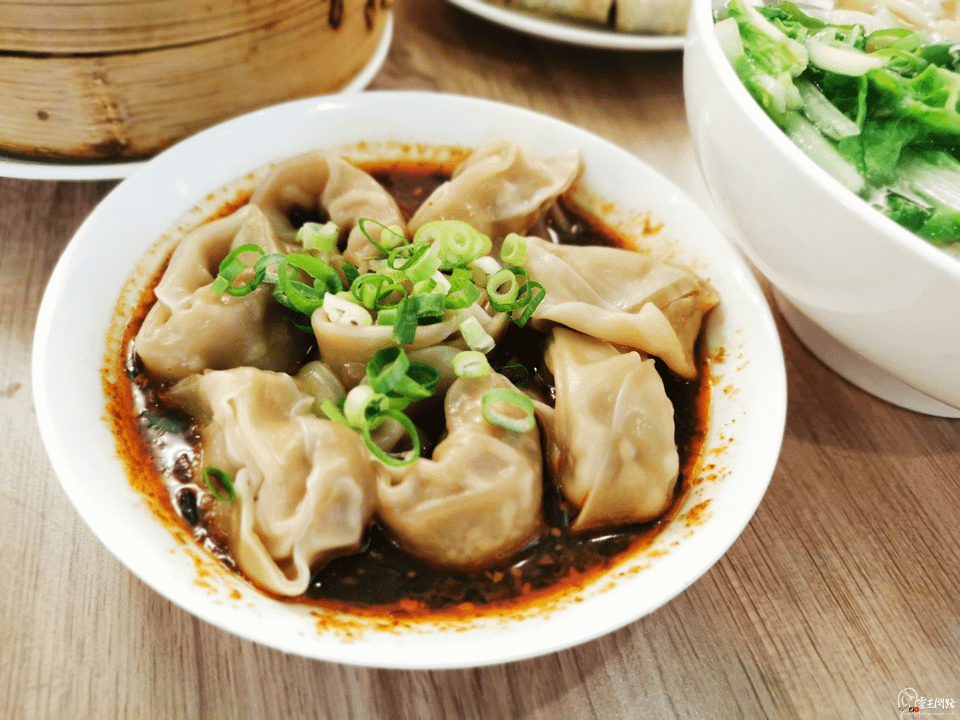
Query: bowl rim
744, 500
700, 30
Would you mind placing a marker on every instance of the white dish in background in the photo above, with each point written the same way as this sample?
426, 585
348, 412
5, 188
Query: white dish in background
748, 376
569, 31
25, 168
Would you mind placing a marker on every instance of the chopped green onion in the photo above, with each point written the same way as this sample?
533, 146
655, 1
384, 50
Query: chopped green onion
386, 368
215, 479
419, 265
391, 373
525, 297
357, 405
463, 293
299, 296
534, 293
388, 316
455, 242
485, 266
334, 413
405, 324
342, 311
514, 249
475, 336
263, 265
350, 272
230, 269
324, 276
390, 237
407, 424
421, 382
417, 310
314, 236
426, 287
503, 300
509, 409
471, 364
429, 307
296, 295
371, 289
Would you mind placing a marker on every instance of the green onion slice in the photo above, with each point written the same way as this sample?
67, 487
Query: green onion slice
455, 242
333, 412
390, 237
421, 382
514, 249
314, 236
325, 278
509, 409
463, 292
471, 364
416, 264
372, 289
265, 263
503, 289
386, 368
230, 269
388, 316
351, 272
405, 324
475, 336
534, 293
215, 478
294, 294
417, 310
391, 373
360, 404
407, 424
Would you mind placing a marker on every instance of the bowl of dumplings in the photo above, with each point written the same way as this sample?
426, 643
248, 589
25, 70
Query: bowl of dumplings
395, 392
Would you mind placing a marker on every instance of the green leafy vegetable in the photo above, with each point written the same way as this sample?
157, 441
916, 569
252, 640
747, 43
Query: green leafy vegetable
878, 111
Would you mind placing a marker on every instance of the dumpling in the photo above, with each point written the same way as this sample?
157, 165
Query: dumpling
305, 487
500, 189
611, 446
348, 348
323, 181
624, 297
479, 498
588, 10
665, 17
190, 328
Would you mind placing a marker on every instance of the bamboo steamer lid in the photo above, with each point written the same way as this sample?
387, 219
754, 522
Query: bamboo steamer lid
126, 78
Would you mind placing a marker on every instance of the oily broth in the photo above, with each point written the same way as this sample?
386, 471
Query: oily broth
382, 578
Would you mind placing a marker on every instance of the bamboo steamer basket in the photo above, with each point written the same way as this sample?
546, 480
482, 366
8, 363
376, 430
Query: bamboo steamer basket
120, 79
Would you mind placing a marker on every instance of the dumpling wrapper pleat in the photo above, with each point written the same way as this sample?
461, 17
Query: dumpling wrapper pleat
500, 189
478, 499
611, 446
305, 486
325, 182
623, 297
190, 328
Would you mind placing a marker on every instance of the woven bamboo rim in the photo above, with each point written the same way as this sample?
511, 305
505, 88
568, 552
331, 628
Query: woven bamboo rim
133, 104
107, 26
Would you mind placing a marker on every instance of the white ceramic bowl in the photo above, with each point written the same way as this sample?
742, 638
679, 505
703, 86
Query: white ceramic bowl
746, 424
848, 278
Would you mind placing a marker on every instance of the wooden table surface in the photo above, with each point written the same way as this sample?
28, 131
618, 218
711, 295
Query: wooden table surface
841, 592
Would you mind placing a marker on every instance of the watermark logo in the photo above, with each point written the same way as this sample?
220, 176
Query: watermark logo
912, 704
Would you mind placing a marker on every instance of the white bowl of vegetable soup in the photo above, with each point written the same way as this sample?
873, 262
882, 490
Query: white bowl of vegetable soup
827, 139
